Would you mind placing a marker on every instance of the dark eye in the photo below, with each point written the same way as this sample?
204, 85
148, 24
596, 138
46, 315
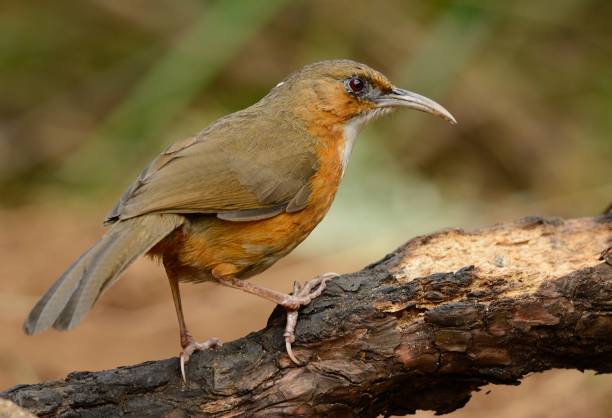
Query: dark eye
356, 85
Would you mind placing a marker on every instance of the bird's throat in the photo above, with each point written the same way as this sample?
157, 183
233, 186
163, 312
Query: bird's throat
352, 128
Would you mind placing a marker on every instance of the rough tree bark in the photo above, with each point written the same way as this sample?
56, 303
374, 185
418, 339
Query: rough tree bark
421, 329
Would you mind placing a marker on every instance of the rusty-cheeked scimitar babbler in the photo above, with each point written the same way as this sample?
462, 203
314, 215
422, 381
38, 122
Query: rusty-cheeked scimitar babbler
229, 202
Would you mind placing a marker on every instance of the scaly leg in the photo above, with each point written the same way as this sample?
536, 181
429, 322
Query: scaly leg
301, 296
188, 344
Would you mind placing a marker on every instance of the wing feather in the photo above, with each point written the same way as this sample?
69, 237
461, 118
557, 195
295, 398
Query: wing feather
243, 167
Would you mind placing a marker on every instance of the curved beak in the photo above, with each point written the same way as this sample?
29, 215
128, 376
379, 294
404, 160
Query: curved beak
404, 98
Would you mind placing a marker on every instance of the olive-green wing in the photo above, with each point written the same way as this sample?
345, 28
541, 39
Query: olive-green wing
242, 168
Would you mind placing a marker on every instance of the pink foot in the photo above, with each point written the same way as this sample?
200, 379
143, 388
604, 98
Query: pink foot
301, 296
190, 346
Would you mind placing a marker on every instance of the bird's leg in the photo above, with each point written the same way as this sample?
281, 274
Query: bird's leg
188, 344
311, 290
301, 296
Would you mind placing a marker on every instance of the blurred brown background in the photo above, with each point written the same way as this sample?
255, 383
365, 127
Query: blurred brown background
92, 90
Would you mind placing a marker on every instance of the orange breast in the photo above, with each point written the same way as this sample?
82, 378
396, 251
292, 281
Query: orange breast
242, 249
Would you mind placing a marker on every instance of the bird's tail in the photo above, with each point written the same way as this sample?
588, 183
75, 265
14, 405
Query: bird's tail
74, 293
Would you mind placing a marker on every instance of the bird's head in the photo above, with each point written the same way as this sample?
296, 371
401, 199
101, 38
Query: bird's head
343, 91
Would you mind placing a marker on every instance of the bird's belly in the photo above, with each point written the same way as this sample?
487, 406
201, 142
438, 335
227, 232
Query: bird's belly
246, 248
250, 247
208, 245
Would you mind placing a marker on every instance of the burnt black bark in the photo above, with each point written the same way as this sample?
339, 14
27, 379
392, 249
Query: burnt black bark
421, 329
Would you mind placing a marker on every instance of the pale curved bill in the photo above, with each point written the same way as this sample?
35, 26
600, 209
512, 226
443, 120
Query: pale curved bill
404, 98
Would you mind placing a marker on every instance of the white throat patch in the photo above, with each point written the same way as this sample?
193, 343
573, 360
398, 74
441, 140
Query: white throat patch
352, 129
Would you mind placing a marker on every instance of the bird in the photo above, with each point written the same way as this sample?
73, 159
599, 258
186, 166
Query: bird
227, 203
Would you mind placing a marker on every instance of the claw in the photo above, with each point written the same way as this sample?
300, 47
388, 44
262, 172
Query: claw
184, 358
290, 353
289, 335
192, 346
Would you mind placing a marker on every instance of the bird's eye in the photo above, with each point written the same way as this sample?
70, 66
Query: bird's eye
356, 85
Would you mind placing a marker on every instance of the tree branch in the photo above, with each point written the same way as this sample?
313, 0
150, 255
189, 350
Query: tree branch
421, 329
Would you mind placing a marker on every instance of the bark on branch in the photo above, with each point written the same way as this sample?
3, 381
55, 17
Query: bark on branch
421, 329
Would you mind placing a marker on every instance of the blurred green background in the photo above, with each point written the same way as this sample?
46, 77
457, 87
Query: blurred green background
92, 90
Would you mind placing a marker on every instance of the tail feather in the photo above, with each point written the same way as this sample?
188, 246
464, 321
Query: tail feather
75, 292
89, 289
